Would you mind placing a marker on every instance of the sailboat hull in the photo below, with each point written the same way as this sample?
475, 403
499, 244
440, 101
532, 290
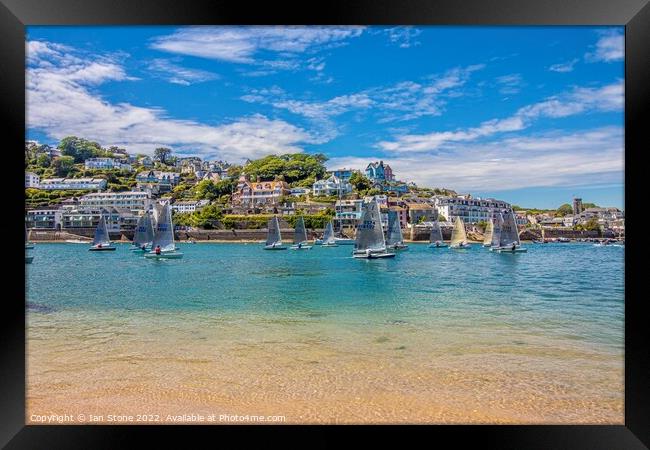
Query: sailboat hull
275, 247
101, 249
164, 255
29, 259
29, 246
302, 247
510, 250
373, 255
459, 246
331, 244
437, 245
401, 247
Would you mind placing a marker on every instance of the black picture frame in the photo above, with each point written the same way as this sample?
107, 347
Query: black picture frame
633, 14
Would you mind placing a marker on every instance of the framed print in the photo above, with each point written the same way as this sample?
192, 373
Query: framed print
367, 215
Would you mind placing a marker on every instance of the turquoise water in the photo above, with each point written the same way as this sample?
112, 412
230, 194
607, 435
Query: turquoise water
431, 336
573, 290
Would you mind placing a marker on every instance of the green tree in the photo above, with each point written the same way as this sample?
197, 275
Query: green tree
360, 182
564, 210
63, 165
294, 167
43, 160
441, 218
162, 154
80, 149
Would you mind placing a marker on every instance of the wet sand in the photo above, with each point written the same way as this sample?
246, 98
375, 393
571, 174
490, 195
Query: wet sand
314, 370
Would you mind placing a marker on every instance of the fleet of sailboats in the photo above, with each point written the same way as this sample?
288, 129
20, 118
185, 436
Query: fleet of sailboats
274, 237
369, 242
435, 237
394, 240
300, 236
163, 245
101, 240
157, 241
458, 235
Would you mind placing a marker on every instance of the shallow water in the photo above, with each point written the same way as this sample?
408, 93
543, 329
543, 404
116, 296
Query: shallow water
433, 335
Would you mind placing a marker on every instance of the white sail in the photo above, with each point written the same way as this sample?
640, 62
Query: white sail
164, 232
489, 232
458, 234
300, 234
273, 235
101, 233
436, 233
328, 236
496, 231
370, 235
143, 231
394, 229
509, 233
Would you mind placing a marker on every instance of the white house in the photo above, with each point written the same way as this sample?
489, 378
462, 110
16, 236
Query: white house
189, 206
31, 180
106, 164
44, 218
135, 201
469, 209
331, 186
91, 184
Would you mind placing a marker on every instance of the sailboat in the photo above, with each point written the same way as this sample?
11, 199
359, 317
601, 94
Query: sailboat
143, 236
101, 241
328, 237
395, 239
458, 235
489, 232
435, 238
163, 246
497, 226
509, 237
274, 238
28, 245
300, 236
28, 258
369, 242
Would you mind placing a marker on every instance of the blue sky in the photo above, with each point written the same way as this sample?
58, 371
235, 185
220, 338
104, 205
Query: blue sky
530, 115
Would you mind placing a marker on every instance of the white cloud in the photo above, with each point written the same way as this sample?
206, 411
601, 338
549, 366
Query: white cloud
403, 101
609, 48
579, 100
510, 84
243, 44
544, 160
404, 37
564, 67
179, 75
61, 102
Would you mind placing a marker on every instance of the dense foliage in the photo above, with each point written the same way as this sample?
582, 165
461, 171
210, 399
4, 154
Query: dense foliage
293, 167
